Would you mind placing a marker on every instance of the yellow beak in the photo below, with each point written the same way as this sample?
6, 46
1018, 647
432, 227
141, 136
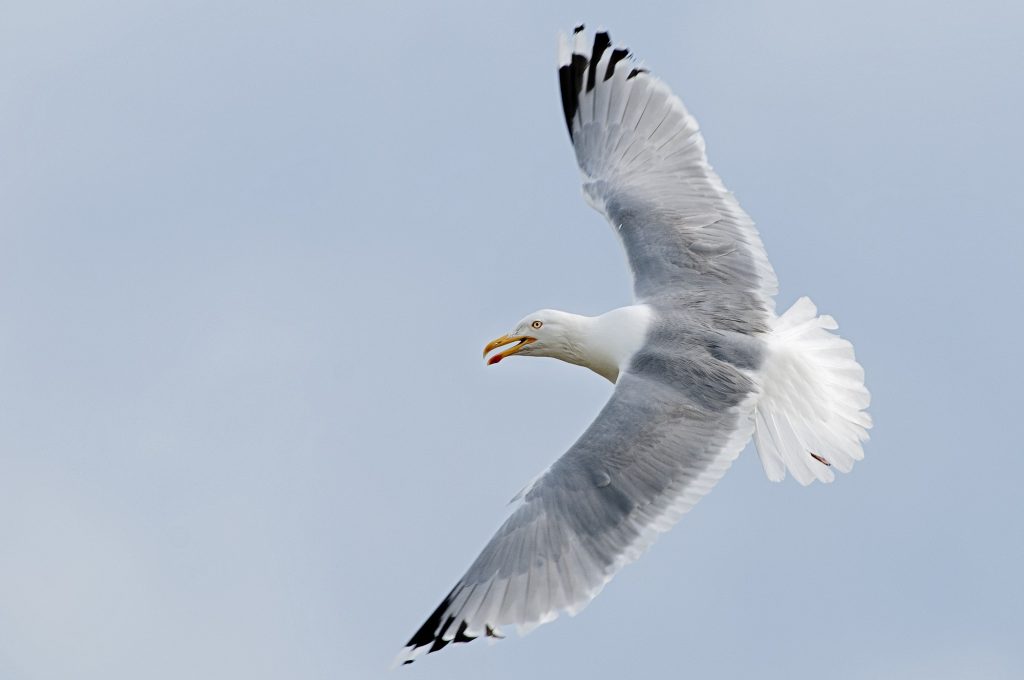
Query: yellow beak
521, 340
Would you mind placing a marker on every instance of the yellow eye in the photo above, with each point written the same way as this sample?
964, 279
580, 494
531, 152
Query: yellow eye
537, 324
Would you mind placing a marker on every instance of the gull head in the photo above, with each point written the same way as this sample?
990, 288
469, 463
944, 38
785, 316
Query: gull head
546, 333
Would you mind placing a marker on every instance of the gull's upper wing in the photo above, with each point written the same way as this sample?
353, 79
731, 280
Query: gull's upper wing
644, 168
652, 452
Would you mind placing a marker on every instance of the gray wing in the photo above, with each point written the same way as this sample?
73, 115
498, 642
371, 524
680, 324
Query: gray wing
644, 167
650, 455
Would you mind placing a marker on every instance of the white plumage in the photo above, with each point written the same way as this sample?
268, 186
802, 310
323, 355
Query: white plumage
812, 399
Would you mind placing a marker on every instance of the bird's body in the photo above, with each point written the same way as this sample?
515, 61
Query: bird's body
700, 363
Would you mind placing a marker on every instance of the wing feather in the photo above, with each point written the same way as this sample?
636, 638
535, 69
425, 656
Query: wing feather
644, 167
647, 458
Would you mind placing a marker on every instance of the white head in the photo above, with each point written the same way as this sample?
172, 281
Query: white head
604, 344
546, 333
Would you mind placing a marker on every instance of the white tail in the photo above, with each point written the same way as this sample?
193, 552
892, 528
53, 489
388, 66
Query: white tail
811, 416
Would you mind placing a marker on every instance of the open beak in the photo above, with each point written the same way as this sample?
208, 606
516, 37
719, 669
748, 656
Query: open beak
520, 340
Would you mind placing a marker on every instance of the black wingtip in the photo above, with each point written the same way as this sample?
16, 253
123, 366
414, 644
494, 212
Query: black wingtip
431, 633
570, 80
439, 641
601, 42
460, 634
571, 76
617, 56
581, 72
568, 96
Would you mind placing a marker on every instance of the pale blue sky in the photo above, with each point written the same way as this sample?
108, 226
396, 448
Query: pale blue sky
250, 252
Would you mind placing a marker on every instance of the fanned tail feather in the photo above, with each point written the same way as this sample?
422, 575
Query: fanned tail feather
811, 418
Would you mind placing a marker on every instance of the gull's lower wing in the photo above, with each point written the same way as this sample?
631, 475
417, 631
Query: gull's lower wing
650, 455
644, 167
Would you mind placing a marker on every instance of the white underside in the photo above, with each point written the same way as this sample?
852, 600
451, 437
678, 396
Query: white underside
611, 340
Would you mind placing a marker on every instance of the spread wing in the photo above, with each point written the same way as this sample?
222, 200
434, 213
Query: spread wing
644, 167
650, 455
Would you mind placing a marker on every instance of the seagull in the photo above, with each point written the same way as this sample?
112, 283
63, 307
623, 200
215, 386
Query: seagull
700, 361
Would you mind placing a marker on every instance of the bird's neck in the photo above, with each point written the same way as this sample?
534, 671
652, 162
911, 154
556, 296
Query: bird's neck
606, 343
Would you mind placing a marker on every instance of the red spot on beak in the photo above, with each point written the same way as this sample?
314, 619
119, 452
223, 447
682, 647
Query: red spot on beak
495, 359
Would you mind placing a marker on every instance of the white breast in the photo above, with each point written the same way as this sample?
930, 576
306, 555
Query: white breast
614, 337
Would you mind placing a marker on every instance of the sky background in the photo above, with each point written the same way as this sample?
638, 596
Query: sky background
250, 253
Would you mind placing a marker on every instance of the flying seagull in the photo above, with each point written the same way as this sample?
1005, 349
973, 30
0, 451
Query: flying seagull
700, 363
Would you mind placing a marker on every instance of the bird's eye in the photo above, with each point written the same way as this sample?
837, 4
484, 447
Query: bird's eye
537, 324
